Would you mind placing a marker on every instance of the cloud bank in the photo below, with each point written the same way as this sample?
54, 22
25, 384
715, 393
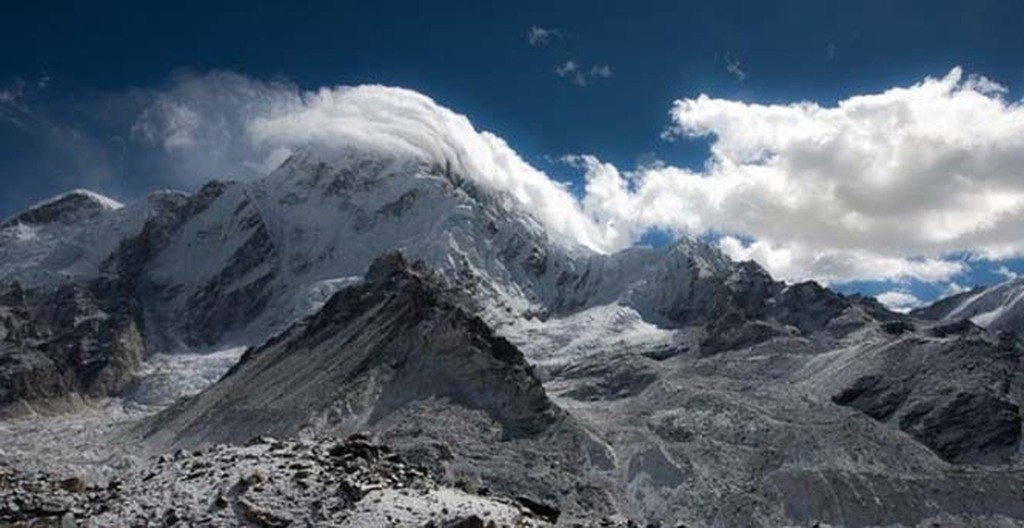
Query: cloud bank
880, 186
883, 186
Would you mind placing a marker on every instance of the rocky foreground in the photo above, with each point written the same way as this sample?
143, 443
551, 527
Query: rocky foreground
266, 483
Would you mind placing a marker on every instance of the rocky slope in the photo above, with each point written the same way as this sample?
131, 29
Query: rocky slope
399, 355
392, 339
266, 483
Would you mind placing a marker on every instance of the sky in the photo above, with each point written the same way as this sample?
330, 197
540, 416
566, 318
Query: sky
877, 147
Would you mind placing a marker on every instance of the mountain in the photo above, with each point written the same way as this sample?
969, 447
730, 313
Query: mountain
238, 262
408, 300
998, 308
375, 346
398, 356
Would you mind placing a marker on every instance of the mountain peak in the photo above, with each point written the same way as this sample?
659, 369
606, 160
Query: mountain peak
66, 208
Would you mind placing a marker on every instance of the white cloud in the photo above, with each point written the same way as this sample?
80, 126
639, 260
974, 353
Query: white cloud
899, 301
566, 68
796, 262
169, 124
953, 288
226, 122
538, 36
570, 70
880, 186
201, 123
577, 75
1006, 273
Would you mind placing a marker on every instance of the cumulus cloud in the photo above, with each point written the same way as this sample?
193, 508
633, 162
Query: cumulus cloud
602, 70
899, 301
798, 262
953, 288
884, 185
538, 36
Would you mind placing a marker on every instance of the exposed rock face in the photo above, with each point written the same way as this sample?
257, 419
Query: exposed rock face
72, 343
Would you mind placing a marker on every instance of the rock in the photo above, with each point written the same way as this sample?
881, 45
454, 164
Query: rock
252, 479
874, 395
961, 327
470, 521
78, 340
544, 511
897, 327
262, 516
73, 484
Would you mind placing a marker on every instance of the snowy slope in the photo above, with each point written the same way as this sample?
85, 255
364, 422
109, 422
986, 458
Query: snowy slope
68, 237
998, 308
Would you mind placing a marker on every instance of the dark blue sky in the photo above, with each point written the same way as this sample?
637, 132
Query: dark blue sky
474, 57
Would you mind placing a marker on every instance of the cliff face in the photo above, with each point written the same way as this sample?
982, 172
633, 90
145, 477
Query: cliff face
61, 347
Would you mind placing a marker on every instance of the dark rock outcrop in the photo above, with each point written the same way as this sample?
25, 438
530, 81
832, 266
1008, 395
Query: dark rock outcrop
61, 346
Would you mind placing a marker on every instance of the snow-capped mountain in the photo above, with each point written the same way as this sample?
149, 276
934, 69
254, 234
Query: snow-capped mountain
239, 261
653, 384
998, 308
